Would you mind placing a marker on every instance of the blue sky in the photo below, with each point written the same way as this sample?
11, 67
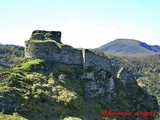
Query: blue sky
84, 23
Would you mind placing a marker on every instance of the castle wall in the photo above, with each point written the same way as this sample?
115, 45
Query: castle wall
66, 54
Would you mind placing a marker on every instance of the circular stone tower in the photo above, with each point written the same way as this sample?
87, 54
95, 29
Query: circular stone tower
40, 41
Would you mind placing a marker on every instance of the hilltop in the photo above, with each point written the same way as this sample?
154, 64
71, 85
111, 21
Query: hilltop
129, 47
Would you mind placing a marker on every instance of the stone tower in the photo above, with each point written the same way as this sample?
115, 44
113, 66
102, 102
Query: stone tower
46, 35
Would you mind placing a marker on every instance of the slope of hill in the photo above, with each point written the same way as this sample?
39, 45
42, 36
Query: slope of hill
129, 47
38, 89
55, 81
43, 90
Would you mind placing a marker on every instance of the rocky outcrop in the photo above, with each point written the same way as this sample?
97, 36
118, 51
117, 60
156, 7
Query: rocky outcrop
99, 62
46, 35
126, 75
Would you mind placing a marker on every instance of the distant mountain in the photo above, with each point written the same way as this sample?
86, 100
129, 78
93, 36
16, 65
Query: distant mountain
129, 47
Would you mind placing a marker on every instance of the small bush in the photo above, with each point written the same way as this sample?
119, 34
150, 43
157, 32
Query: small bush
68, 98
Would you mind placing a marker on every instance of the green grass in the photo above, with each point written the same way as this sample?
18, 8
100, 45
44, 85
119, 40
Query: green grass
28, 64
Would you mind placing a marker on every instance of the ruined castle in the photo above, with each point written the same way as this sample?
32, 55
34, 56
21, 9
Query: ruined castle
47, 45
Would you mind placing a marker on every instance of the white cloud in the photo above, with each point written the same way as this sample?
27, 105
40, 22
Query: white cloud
82, 34
76, 34
15, 37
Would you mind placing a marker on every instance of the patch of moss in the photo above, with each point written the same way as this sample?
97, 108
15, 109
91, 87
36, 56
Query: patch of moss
45, 41
36, 34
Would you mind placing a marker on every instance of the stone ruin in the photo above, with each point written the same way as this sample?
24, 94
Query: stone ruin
55, 51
